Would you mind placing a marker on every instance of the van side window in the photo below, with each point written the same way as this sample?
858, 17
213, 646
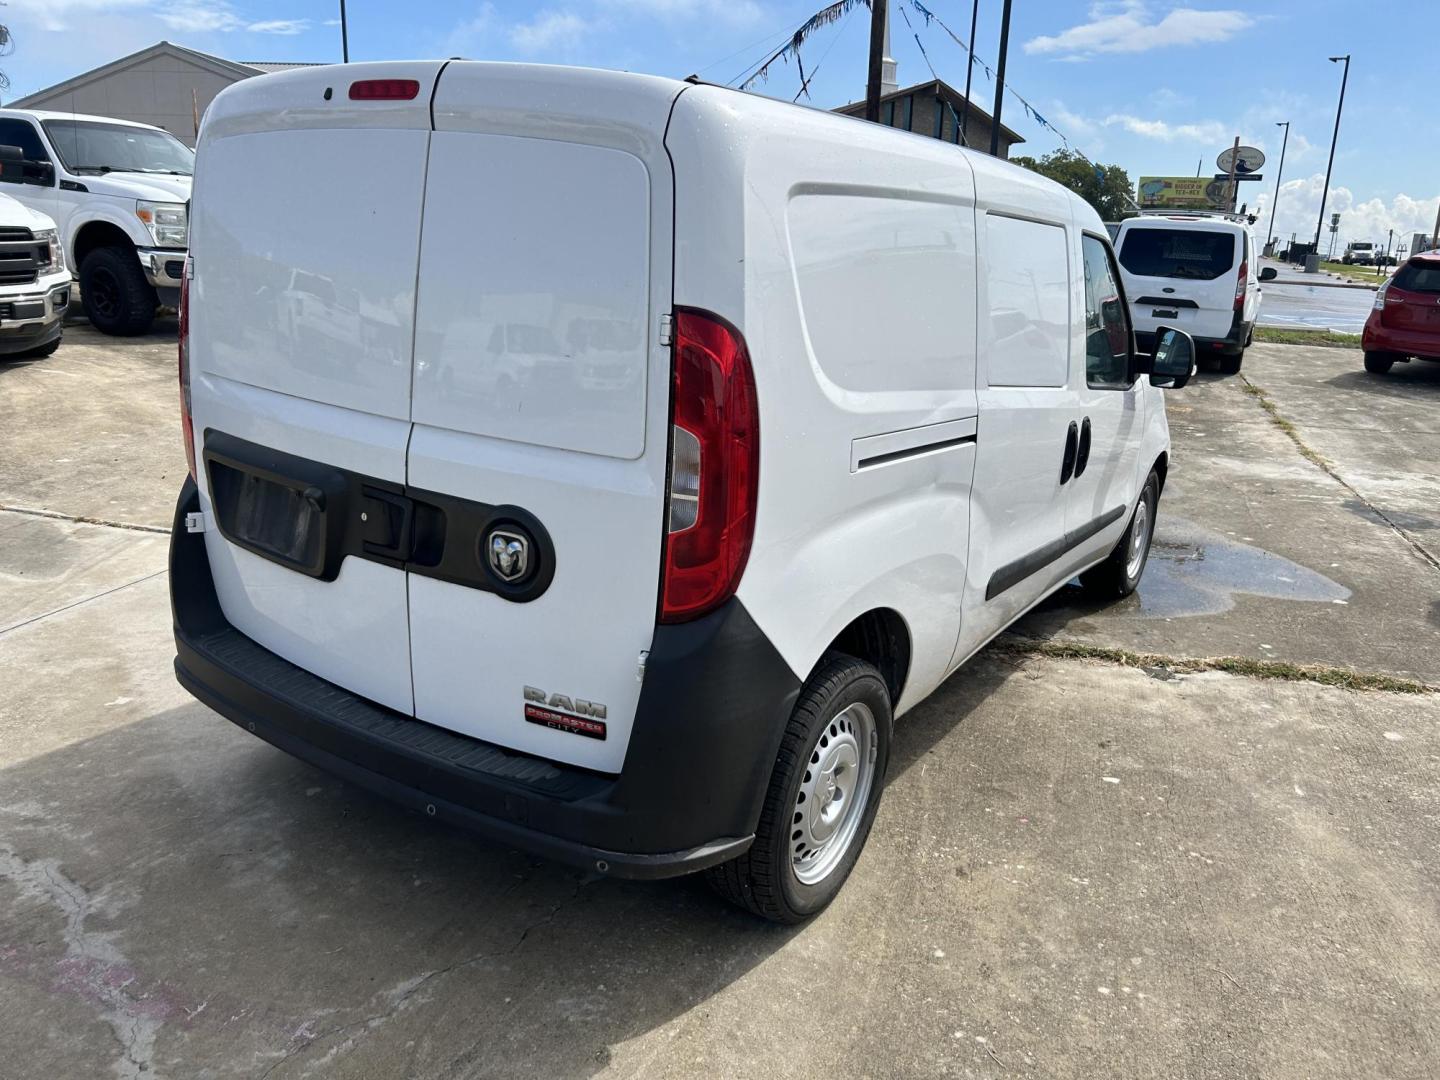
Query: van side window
1029, 290
1107, 330
22, 133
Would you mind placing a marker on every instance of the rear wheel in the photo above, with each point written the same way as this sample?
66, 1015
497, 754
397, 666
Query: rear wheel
1230, 365
1121, 572
822, 798
116, 297
1378, 363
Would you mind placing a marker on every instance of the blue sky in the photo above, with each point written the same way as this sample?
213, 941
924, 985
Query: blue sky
1152, 85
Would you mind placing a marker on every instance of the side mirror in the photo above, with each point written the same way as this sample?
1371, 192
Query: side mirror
1268, 273
12, 165
1174, 359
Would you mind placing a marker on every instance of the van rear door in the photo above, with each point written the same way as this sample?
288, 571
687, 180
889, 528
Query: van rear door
541, 397
304, 240
1181, 275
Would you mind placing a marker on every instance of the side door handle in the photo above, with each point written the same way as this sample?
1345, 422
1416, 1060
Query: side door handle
1082, 452
1072, 444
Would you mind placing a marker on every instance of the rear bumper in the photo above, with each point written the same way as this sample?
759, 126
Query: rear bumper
1377, 338
707, 729
1232, 344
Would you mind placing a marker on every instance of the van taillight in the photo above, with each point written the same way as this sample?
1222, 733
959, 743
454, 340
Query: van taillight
715, 461
186, 428
1240, 286
384, 90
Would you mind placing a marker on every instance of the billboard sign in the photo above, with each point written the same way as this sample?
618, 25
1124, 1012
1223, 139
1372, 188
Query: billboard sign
1183, 193
1246, 159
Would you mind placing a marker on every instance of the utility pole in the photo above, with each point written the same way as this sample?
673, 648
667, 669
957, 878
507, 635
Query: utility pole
879, 17
1276, 201
1325, 192
344, 36
1000, 80
969, 72
1435, 236
1234, 161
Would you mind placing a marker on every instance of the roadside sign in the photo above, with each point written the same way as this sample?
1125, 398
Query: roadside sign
1247, 160
1239, 177
1220, 192
1334, 220
1180, 193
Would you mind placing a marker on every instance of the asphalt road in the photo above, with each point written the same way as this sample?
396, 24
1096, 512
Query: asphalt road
1079, 870
1314, 301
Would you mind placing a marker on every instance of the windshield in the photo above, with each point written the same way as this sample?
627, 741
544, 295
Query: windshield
87, 146
1178, 253
1418, 277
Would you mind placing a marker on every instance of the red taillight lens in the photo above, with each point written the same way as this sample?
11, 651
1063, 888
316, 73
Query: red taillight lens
186, 428
1240, 285
715, 463
384, 90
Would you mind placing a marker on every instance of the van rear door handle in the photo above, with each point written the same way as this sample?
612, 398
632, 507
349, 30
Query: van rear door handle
1082, 452
1072, 445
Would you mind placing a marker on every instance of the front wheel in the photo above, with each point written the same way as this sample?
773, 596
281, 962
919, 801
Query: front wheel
822, 798
113, 290
1120, 573
1379, 363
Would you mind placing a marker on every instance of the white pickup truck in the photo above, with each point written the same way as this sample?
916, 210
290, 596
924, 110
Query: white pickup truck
34, 279
118, 193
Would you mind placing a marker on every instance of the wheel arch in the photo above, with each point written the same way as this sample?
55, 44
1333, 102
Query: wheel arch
880, 637
95, 234
1161, 468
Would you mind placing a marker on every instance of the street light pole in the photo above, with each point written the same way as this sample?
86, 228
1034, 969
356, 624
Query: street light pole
878, 17
344, 36
1325, 193
969, 72
1276, 201
1000, 80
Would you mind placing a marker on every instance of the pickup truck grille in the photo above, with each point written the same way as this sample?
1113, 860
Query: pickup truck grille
20, 256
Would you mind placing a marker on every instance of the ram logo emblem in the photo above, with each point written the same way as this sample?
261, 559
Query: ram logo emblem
565, 703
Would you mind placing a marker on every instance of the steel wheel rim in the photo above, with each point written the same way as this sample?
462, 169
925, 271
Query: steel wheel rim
104, 292
1139, 540
833, 792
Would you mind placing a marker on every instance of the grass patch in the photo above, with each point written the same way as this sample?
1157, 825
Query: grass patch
1274, 335
1344, 678
1364, 274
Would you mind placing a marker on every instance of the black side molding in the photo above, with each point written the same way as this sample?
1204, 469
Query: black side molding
1007, 577
1166, 301
915, 451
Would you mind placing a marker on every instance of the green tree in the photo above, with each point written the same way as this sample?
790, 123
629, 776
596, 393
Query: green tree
1105, 187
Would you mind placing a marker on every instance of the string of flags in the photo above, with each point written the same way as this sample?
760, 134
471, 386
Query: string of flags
824, 17
959, 127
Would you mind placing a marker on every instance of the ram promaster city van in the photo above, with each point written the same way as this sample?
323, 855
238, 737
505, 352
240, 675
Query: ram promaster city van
1197, 272
638, 452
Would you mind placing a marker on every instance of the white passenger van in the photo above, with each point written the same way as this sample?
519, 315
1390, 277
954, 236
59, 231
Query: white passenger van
649, 447
1195, 271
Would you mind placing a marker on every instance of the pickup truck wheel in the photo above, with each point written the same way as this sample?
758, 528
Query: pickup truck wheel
822, 798
116, 297
1230, 365
1379, 363
1120, 573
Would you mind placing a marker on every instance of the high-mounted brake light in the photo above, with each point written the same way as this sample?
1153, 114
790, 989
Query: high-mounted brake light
187, 428
384, 90
715, 464
1240, 285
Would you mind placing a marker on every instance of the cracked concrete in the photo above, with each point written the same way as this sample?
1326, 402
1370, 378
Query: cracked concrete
1079, 869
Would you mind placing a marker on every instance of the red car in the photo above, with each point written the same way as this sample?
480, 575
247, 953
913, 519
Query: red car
1406, 319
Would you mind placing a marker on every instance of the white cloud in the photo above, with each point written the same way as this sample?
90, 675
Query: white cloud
471, 34
1129, 27
1371, 219
199, 17
1208, 131
731, 13
54, 15
284, 27
550, 31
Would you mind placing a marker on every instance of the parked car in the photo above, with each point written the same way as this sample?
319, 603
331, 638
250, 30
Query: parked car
1404, 322
118, 193
863, 428
1197, 272
34, 281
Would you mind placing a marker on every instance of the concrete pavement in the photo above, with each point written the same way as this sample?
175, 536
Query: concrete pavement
1079, 869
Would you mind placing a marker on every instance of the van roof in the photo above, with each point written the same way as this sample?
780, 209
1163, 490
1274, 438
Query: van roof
1199, 222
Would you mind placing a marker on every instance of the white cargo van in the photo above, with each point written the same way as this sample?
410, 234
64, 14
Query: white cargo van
639, 450
1197, 272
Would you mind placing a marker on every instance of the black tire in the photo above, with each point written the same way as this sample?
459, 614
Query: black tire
1113, 578
1230, 365
113, 290
763, 881
1379, 363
